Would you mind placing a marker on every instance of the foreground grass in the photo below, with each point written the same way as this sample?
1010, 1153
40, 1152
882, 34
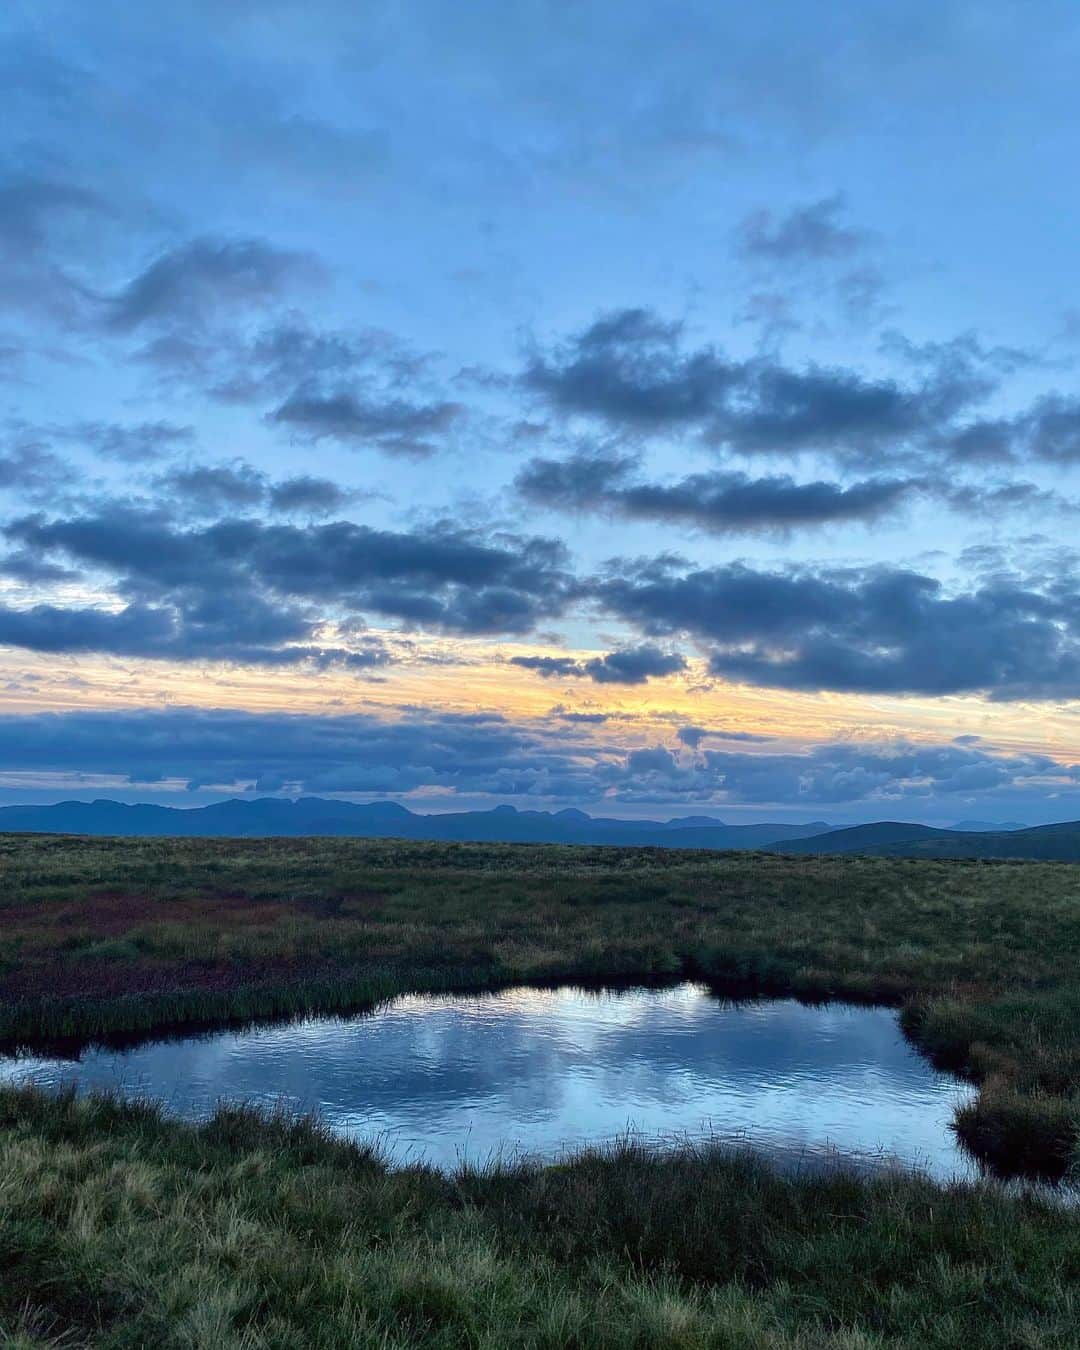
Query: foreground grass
121, 1229
104, 936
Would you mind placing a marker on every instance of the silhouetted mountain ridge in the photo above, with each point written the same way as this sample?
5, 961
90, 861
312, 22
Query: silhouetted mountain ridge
272, 816
268, 816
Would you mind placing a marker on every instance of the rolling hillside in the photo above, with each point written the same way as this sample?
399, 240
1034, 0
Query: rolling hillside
895, 839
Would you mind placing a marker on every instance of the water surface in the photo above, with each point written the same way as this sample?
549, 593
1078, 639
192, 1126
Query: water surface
446, 1078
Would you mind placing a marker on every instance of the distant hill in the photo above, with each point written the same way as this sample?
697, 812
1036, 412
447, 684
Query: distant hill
899, 839
269, 816
865, 838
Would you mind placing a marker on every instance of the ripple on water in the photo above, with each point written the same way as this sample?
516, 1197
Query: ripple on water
450, 1077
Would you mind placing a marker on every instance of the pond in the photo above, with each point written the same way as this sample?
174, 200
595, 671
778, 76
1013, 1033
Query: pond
448, 1078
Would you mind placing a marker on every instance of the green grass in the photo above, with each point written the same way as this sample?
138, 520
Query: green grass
119, 1228
103, 936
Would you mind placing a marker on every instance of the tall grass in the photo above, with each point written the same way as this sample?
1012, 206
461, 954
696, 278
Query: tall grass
119, 1228
101, 937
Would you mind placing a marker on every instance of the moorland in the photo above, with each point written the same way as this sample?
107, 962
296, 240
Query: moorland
121, 1227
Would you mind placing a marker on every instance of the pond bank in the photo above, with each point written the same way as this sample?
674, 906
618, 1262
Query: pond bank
983, 959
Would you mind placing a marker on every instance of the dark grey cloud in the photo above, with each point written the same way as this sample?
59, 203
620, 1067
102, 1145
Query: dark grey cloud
870, 629
550, 667
348, 753
634, 665
883, 776
363, 387
210, 490
306, 494
866, 630
234, 629
442, 577
395, 426
1048, 431
628, 665
722, 502
215, 489
206, 277
630, 369
486, 754
810, 232
994, 498
32, 570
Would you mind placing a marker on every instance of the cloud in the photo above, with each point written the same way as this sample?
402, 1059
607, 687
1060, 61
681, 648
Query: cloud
629, 665
44, 223
231, 628
870, 629
358, 387
395, 426
486, 754
991, 499
719, 502
1048, 431
886, 776
30, 469
210, 490
805, 233
873, 630
441, 577
550, 667
24, 567
305, 494
29, 463
196, 281
476, 753
136, 443
634, 665
30, 206
630, 370
693, 736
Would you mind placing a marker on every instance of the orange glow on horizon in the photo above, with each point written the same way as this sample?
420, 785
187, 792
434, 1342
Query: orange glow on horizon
469, 678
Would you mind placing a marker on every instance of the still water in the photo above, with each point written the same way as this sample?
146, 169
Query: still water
447, 1078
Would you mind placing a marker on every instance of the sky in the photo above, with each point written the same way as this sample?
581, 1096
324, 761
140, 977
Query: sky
635, 408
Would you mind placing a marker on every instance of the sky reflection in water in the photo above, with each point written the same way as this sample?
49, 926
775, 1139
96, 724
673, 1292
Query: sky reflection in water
442, 1078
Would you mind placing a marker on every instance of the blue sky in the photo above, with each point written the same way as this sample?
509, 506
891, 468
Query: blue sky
560, 404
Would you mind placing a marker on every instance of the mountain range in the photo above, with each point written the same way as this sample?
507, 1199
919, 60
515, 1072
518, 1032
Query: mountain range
271, 816
262, 816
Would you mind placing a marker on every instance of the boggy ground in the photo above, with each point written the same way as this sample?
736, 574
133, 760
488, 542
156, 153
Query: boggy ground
103, 936
122, 1230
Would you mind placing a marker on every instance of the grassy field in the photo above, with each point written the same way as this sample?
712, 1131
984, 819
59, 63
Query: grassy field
105, 936
120, 1228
